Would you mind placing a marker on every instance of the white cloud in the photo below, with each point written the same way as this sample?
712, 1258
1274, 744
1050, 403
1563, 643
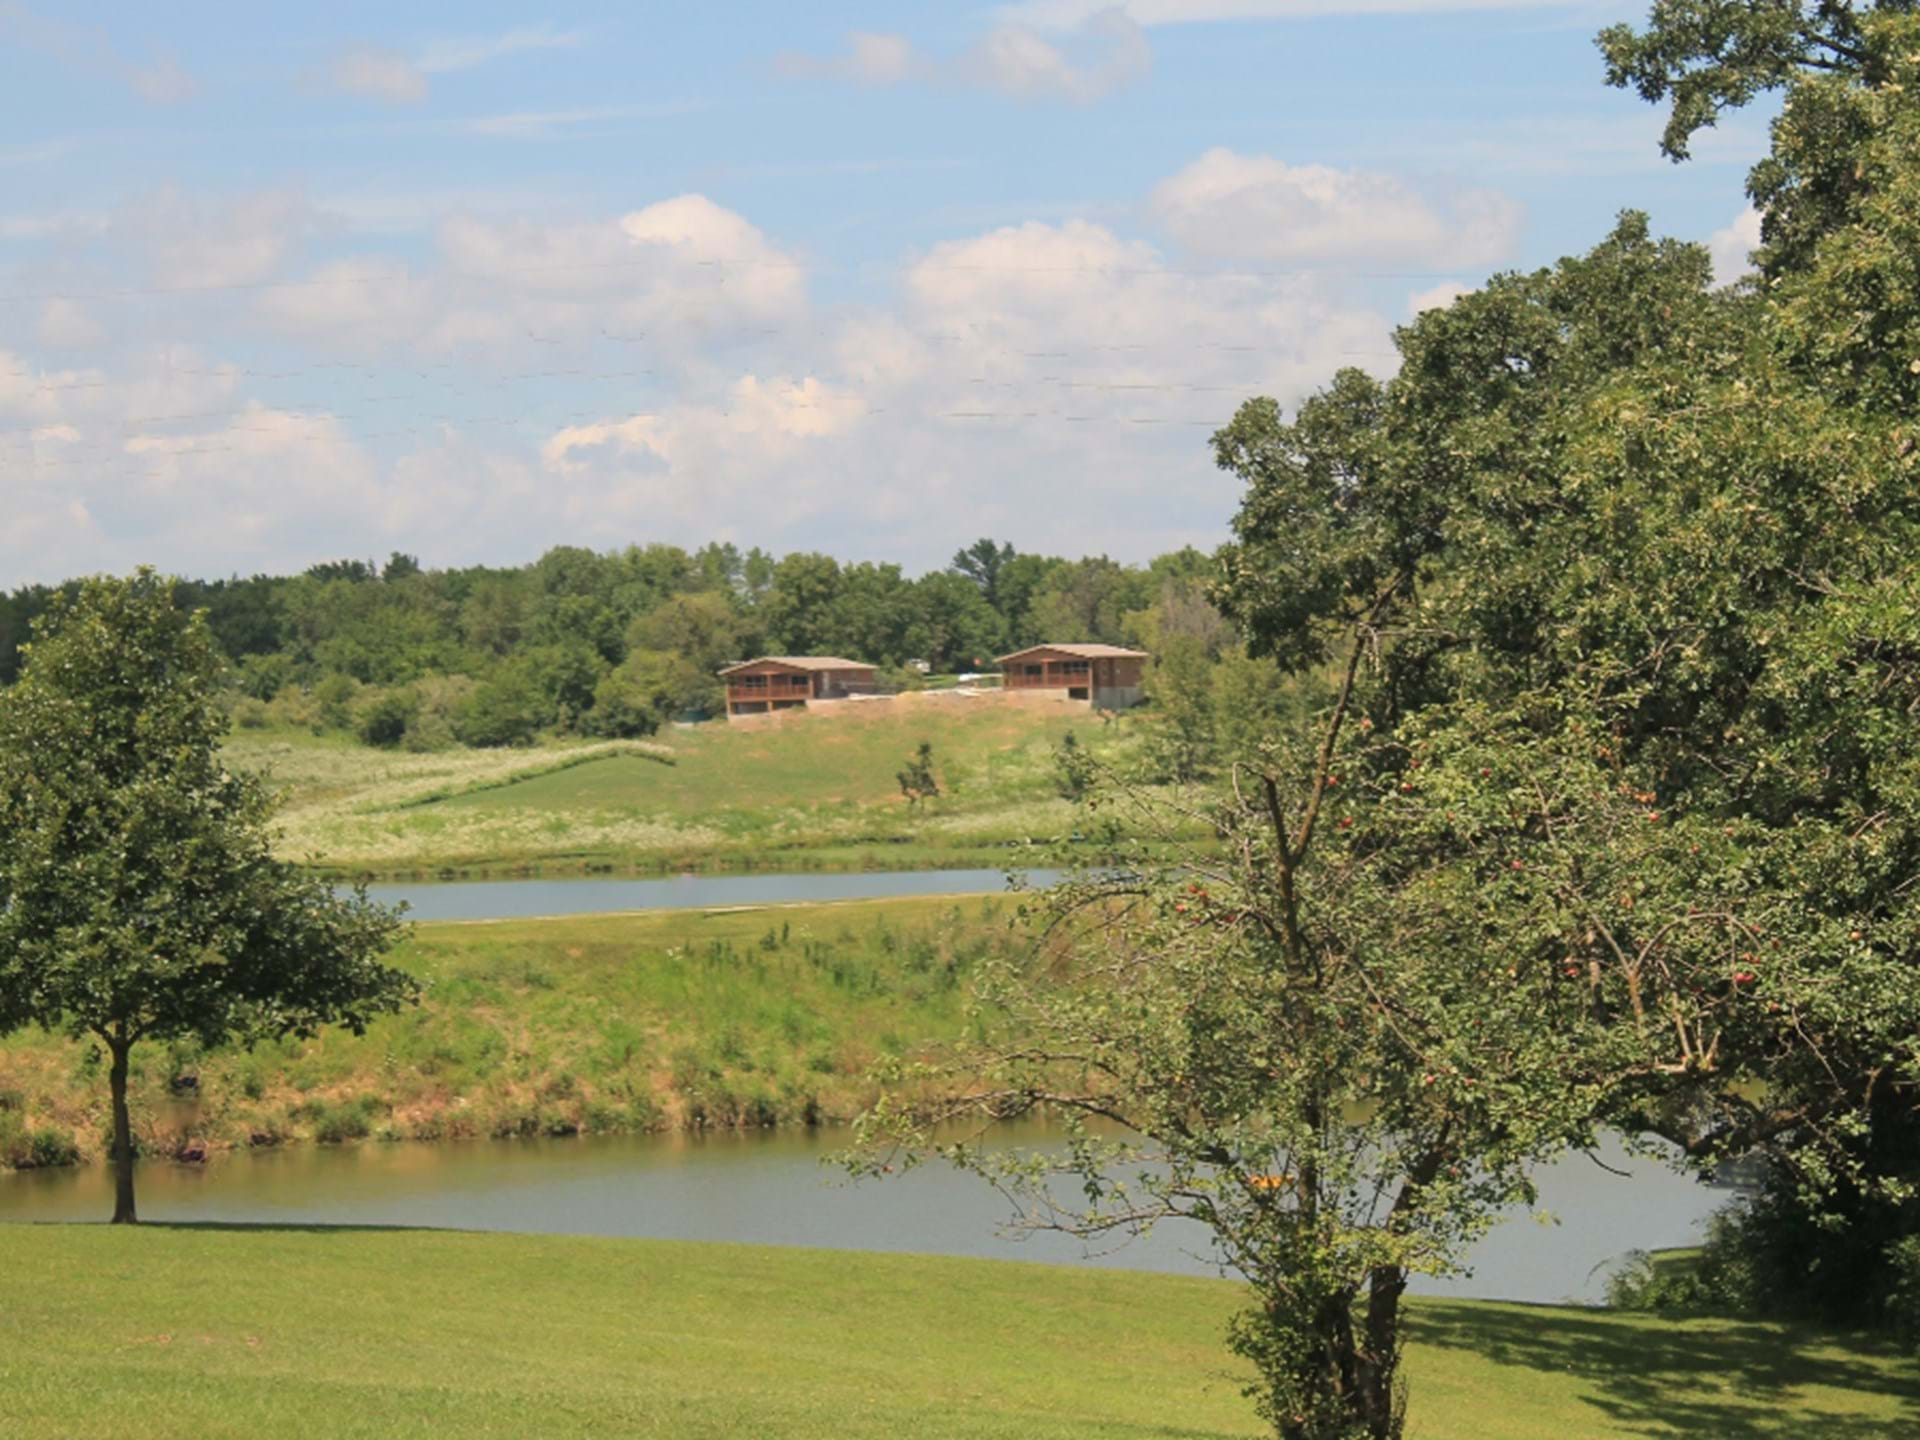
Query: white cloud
1437, 297
1110, 54
1098, 54
73, 225
1053, 382
145, 462
449, 55
530, 124
67, 325
659, 373
1732, 246
1257, 208
161, 80
378, 74
188, 240
880, 59
382, 74
672, 275
759, 453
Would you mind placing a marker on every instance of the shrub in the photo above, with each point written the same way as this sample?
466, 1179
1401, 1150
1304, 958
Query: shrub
1072, 768
262, 677
384, 721
46, 1147
1720, 1278
429, 733
334, 698
250, 714
1664, 1283
38, 1149
503, 711
335, 1122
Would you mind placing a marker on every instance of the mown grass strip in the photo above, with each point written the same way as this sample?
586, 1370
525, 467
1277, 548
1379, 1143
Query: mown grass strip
338, 1332
613, 750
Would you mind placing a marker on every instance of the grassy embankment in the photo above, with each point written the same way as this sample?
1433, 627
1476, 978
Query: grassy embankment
808, 792
597, 1023
208, 1332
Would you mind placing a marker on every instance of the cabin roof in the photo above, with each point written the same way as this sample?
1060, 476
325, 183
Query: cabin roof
1081, 652
800, 662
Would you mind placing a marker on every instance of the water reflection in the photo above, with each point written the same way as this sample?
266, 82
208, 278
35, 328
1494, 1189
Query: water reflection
773, 1189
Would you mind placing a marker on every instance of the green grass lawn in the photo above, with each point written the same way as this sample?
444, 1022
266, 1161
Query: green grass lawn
166, 1332
596, 1023
811, 791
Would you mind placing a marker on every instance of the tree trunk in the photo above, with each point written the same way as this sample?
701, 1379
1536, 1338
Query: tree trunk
1377, 1397
118, 1045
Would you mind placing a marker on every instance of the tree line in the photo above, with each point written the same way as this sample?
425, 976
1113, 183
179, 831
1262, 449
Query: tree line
615, 643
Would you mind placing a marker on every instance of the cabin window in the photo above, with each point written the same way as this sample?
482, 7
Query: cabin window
1031, 670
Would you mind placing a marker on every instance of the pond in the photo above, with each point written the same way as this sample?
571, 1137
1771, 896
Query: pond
774, 1189
531, 899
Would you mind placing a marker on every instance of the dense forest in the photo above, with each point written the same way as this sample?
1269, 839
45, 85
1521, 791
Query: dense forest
616, 643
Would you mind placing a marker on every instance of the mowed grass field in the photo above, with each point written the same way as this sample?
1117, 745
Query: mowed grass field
805, 791
596, 1024
164, 1332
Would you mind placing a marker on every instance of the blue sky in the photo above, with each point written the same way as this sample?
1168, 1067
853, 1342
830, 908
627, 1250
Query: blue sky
471, 281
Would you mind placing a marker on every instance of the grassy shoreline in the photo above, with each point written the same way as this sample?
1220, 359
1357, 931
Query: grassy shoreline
240, 1331
604, 1024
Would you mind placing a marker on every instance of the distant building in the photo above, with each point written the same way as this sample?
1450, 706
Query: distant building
1106, 675
791, 682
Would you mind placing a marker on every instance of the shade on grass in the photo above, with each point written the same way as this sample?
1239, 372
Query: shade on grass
217, 1332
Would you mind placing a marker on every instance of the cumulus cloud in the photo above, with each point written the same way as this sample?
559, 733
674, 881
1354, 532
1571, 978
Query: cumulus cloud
67, 325
1255, 207
663, 280
663, 373
1732, 246
144, 461
1054, 381
1098, 54
399, 79
162, 79
1107, 53
1436, 297
189, 240
378, 74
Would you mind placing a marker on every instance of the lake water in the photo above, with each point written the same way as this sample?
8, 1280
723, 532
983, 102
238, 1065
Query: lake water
774, 1189
530, 899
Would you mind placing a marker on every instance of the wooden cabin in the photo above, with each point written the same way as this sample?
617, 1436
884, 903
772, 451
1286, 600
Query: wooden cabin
792, 682
1107, 676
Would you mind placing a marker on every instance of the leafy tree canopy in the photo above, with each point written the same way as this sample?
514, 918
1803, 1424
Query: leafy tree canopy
139, 897
1703, 57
